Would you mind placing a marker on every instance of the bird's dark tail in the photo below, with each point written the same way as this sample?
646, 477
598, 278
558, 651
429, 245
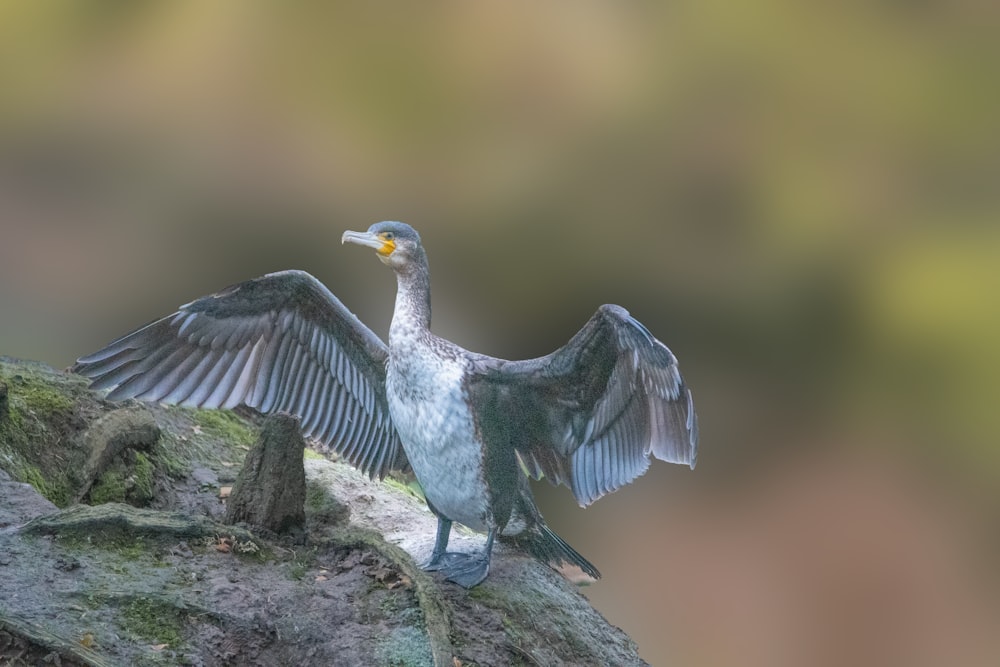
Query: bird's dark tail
527, 529
539, 540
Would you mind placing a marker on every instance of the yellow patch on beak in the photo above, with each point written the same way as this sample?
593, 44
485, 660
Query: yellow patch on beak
388, 245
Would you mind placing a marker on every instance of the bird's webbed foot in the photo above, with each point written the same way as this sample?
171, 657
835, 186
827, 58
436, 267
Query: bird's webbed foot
443, 560
466, 570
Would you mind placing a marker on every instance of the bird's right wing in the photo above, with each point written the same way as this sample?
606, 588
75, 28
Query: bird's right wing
281, 342
591, 414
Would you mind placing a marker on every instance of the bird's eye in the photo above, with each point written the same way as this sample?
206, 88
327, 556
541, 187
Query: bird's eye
388, 236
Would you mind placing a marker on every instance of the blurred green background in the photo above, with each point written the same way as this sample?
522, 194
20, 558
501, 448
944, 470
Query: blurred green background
801, 199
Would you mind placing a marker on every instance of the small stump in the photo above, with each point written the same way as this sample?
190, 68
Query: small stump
270, 491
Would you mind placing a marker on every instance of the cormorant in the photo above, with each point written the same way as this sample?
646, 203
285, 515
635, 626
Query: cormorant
472, 427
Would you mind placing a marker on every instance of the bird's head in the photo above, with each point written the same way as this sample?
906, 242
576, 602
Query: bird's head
396, 243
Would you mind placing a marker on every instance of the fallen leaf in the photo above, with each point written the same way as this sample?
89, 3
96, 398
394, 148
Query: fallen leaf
390, 578
403, 582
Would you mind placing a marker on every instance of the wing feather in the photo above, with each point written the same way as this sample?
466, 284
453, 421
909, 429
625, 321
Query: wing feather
281, 342
591, 414
185, 365
200, 396
275, 379
192, 378
314, 409
146, 384
230, 362
136, 381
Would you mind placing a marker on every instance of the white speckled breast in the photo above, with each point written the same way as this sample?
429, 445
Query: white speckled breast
430, 413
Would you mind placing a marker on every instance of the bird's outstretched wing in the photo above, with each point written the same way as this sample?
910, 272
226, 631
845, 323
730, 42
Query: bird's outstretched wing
281, 342
590, 414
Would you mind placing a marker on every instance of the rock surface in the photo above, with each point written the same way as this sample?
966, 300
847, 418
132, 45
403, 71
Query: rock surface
152, 576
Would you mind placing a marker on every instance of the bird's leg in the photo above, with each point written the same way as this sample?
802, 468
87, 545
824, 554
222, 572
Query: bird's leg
438, 556
468, 570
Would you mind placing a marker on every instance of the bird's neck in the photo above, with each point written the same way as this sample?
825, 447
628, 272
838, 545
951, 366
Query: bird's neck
412, 314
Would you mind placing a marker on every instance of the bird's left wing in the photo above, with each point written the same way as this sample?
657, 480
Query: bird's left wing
281, 342
590, 414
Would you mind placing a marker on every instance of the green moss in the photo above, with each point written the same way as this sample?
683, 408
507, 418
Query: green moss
116, 541
153, 621
166, 456
127, 480
226, 425
32, 392
312, 454
143, 476
132, 548
51, 489
13, 424
40, 418
109, 488
408, 485
481, 594
45, 401
218, 439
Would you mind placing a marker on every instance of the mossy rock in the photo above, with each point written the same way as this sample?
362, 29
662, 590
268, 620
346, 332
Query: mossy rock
148, 586
54, 432
129, 479
46, 411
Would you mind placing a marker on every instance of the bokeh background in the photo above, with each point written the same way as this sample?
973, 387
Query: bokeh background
801, 199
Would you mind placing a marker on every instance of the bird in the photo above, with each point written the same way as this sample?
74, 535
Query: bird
472, 428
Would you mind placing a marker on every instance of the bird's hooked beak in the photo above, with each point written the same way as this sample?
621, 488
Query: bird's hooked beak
383, 245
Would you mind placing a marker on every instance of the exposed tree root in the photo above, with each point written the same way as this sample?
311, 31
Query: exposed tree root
134, 520
38, 635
